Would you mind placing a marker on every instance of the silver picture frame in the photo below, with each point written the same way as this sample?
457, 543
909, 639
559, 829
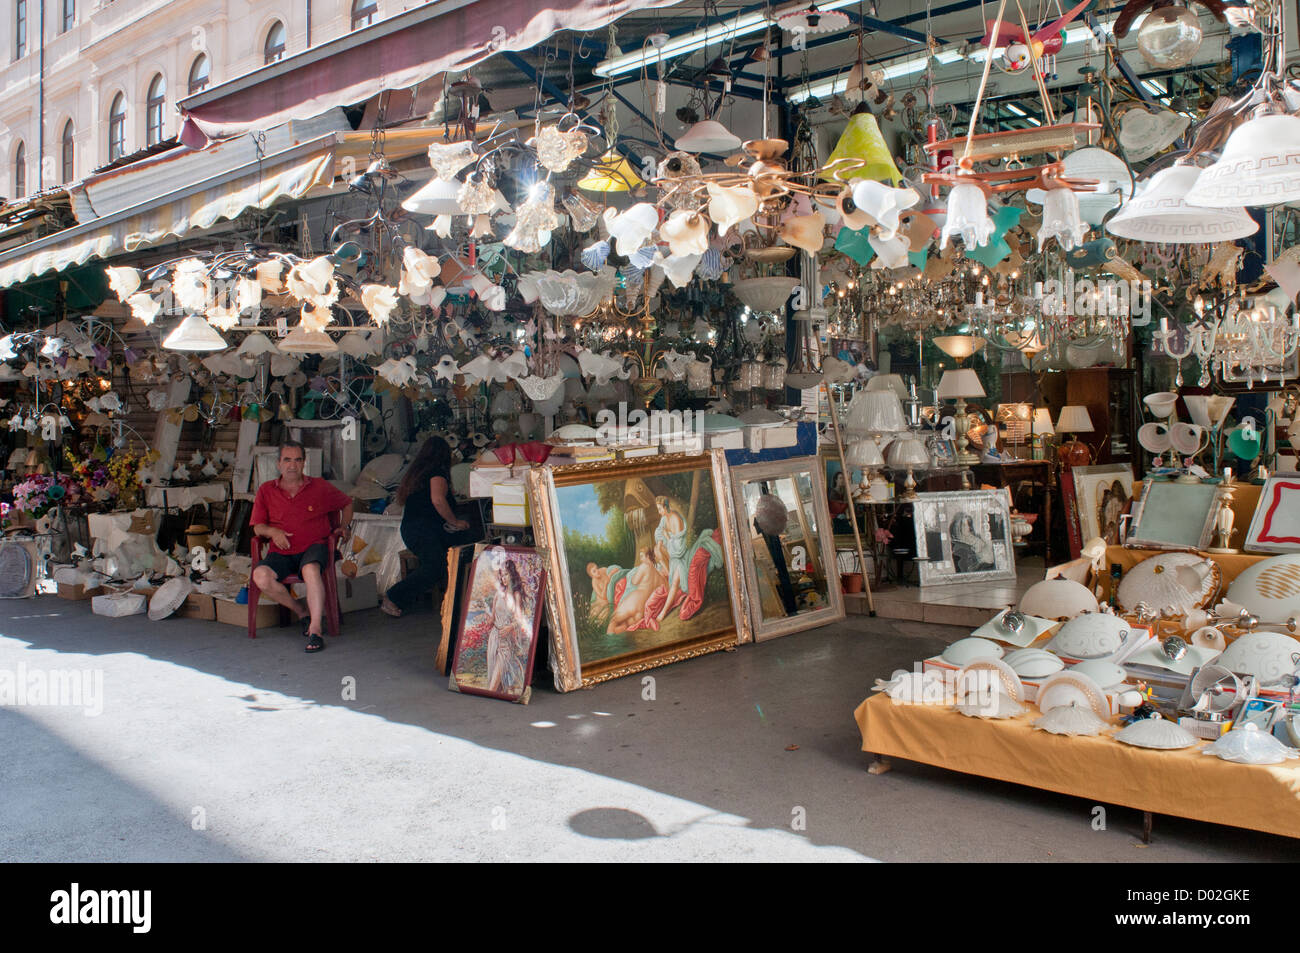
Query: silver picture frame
963, 536
1174, 516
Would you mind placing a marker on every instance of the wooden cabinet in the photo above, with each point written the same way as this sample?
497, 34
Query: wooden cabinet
1110, 394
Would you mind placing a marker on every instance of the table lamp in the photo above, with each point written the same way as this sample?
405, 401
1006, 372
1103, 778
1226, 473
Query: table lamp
958, 385
1041, 427
1074, 420
863, 454
874, 412
907, 452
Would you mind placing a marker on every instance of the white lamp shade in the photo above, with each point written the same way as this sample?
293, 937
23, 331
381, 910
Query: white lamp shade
435, 197
1161, 212
194, 334
860, 454
1043, 422
962, 382
960, 346
1074, 419
873, 412
1260, 165
892, 382
908, 451
302, 341
708, 136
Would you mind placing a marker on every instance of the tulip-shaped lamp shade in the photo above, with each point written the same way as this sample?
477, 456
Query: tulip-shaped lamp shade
958, 385
194, 334
874, 412
1074, 420
863, 142
908, 452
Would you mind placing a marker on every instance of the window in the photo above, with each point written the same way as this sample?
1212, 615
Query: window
20, 171
274, 48
69, 16
153, 111
117, 128
199, 74
363, 13
20, 29
69, 153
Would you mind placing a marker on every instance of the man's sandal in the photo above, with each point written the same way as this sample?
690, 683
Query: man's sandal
314, 643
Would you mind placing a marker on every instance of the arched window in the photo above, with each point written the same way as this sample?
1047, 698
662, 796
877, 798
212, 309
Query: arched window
20, 171
199, 73
363, 13
153, 111
69, 153
20, 29
274, 47
117, 128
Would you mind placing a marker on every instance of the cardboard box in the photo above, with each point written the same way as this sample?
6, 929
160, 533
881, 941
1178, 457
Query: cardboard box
197, 606
510, 515
78, 591
360, 592
236, 613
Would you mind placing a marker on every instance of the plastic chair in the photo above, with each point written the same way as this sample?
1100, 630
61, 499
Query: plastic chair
333, 611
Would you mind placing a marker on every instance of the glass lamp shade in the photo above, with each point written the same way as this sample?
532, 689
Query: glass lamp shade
708, 135
1074, 419
967, 217
960, 383
1062, 219
907, 451
862, 454
1169, 37
892, 382
1163, 211
612, 173
302, 341
1043, 422
960, 346
435, 197
1260, 165
863, 141
194, 334
873, 412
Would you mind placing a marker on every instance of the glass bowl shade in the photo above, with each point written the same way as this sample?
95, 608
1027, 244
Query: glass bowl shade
1164, 211
1260, 165
1169, 37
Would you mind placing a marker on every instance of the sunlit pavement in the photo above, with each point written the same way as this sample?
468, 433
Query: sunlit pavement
211, 746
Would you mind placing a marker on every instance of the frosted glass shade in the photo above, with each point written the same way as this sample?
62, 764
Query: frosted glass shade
960, 346
873, 412
194, 334
611, 174
1074, 419
1260, 165
862, 140
962, 382
302, 341
1162, 211
708, 136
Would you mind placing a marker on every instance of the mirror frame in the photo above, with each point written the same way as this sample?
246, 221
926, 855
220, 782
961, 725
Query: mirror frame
834, 610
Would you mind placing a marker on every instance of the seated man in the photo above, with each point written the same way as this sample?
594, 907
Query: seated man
293, 512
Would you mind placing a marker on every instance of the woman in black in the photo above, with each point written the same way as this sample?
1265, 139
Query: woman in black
424, 494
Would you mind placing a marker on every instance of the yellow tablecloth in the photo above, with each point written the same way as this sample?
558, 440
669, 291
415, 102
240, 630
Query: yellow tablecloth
1181, 783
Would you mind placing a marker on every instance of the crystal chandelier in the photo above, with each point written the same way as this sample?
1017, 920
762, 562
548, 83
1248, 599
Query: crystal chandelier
1235, 341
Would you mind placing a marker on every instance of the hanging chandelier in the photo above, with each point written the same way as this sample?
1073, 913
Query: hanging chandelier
1236, 341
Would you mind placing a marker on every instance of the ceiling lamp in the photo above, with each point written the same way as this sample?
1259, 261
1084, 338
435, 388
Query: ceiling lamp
1169, 37
194, 334
302, 341
1260, 165
1144, 132
959, 346
613, 173
435, 197
1160, 212
811, 20
862, 151
708, 136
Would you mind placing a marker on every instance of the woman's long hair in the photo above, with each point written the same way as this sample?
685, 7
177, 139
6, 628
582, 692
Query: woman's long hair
433, 459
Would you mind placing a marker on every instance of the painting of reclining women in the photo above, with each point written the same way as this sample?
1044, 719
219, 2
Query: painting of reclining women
646, 564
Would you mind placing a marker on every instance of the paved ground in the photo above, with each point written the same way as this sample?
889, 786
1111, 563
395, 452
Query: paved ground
214, 747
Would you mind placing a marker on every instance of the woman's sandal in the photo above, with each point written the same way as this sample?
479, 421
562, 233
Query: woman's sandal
389, 608
314, 643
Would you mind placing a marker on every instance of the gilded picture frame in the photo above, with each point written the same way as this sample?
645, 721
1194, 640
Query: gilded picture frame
594, 513
776, 575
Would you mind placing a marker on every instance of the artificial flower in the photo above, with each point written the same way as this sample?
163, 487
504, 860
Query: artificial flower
124, 282
379, 301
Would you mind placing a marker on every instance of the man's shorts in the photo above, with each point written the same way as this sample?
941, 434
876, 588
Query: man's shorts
290, 564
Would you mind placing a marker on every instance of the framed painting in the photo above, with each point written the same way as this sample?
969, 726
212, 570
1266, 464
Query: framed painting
642, 558
1172, 515
838, 490
963, 536
460, 559
1275, 527
1102, 494
791, 581
498, 630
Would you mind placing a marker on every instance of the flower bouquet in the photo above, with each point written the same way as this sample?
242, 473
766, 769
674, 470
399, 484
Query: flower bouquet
41, 492
109, 476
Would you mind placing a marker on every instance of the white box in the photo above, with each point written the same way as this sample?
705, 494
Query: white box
115, 605
727, 440
358, 592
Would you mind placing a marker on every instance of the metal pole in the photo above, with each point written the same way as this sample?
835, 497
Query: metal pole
853, 513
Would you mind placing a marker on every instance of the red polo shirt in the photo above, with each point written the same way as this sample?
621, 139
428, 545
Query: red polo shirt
305, 516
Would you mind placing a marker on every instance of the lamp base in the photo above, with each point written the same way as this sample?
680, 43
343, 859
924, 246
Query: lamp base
1075, 453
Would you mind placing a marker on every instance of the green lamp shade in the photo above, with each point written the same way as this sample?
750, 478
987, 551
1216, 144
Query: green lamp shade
1244, 444
863, 140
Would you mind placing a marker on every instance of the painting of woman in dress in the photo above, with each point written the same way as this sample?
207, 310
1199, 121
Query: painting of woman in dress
1112, 502
494, 654
972, 551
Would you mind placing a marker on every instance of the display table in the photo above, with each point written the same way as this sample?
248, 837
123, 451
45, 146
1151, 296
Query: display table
1181, 783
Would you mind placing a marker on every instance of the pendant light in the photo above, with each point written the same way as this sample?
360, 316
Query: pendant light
1260, 165
613, 173
1162, 211
302, 341
194, 334
862, 142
